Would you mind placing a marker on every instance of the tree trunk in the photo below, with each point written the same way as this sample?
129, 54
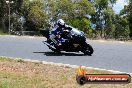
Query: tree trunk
3, 25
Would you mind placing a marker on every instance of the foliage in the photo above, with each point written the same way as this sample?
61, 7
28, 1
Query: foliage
42, 14
34, 15
83, 24
121, 27
101, 18
130, 17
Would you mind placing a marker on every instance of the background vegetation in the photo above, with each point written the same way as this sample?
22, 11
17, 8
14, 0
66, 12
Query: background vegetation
95, 17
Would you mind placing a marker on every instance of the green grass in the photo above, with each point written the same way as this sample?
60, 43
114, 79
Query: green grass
6, 59
10, 60
21, 74
2, 33
13, 80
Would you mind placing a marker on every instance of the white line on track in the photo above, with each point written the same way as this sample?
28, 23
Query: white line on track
121, 42
13, 36
31, 37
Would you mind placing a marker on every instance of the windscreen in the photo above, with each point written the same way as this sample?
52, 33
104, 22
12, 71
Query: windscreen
75, 31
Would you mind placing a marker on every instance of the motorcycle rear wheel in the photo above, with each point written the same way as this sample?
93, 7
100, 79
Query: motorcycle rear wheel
55, 50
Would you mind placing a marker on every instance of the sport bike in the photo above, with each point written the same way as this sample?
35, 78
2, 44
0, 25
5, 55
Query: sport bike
75, 41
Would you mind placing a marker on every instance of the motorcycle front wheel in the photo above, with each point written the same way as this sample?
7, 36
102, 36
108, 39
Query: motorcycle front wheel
88, 50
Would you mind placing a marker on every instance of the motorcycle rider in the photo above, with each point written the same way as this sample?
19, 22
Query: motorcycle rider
60, 26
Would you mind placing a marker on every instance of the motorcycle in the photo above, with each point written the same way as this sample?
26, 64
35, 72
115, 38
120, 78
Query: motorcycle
75, 41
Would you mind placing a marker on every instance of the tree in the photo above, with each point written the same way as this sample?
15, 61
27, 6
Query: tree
130, 16
99, 18
84, 24
109, 27
34, 15
69, 10
15, 8
126, 13
121, 27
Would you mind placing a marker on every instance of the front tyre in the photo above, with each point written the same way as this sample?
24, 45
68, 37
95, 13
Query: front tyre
88, 50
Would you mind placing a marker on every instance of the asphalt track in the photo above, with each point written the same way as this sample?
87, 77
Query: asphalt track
108, 55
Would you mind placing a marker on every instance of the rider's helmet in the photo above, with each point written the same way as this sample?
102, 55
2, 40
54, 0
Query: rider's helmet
60, 23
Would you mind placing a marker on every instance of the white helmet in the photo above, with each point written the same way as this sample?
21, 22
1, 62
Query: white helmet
60, 22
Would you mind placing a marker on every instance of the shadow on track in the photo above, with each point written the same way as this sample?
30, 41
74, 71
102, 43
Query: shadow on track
60, 54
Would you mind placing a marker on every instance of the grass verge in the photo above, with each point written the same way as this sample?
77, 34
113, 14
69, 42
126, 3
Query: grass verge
24, 74
2, 33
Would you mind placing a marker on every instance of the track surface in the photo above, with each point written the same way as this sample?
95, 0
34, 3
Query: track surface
108, 55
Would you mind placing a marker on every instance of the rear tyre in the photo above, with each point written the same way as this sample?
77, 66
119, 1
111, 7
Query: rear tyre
55, 50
